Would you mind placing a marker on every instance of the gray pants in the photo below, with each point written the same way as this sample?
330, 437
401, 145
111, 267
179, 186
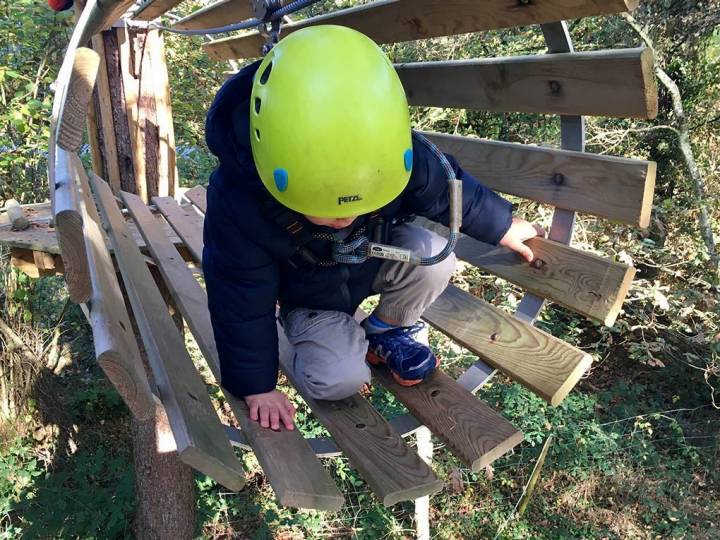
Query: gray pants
330, 346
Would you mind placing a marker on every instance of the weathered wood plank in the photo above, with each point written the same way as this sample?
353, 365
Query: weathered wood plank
187, 223
152, 9
473, 431
197, 196
200, 439
615, 188
69, 225
293, 470
545, 364
116, 349
392, 470
618, 83
25, 261
390, 21
583, 282
72, 115
216, 14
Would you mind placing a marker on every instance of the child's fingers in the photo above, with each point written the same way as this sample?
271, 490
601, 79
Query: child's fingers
524, 251
275, 418
254, 411
287, 417
264, 416
290, 409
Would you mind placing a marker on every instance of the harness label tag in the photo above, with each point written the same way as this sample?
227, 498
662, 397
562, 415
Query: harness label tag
381, 251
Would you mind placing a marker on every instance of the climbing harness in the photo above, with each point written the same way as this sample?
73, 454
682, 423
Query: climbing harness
358, 247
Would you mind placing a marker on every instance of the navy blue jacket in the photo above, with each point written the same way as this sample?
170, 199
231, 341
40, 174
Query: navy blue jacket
245, 253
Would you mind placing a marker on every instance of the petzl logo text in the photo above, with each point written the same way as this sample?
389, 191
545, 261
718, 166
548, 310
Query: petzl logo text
348, 199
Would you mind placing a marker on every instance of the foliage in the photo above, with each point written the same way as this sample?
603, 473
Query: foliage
636, 444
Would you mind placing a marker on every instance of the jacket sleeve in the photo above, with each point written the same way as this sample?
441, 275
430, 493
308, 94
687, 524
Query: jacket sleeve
242, 286
486, 215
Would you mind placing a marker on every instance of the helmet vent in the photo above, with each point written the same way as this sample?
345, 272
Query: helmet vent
258, 102
266, 73
257, 135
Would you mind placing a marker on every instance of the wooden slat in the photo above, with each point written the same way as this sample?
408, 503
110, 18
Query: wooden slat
392, 470
617, 83
611, 187
216, 14
151, 9
583, 282
24, 260
390, 21
545, 364
71, 119
197, 196
187, 223
472, 430
69, 225
293, 470
200, 439
116, 349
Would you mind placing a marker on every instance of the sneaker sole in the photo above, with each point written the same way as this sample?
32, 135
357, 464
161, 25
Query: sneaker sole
376, 360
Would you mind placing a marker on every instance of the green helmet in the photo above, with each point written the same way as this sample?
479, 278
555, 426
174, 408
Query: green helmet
329, 124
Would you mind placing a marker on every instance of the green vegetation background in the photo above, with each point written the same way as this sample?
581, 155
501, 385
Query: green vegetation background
636, 444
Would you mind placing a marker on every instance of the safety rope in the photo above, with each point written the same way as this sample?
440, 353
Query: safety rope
272, 17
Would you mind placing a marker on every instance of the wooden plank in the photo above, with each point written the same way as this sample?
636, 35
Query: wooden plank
543, 363
116, 349
72, 115
187, 223
152, 9
215, 15
200, 439
293, 470
25, 261
618, 83
390, 21
197, 196
69, 225
583, 282
472, 430
167, 157
615, 188
392, 470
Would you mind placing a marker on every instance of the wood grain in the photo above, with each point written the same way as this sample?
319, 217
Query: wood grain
472, 430
116, 349
187, 223
390, 21
152, 9
293, 470
586, 283
543, 363
197, 196
215, 15
72, 115
615, 188
24, 260
616, 83
392, 470
69, 225
200, 438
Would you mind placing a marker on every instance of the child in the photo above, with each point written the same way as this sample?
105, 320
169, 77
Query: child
316, 155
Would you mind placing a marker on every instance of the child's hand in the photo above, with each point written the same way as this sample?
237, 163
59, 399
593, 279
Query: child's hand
519, 232
269, 408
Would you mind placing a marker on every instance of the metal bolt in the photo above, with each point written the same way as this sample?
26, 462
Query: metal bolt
494, 337
538, 264
555, 87
558, 179
524, 2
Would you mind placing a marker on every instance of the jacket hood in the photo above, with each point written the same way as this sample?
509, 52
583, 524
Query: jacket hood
227, 126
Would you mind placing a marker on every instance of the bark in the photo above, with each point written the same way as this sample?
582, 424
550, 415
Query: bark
682, 129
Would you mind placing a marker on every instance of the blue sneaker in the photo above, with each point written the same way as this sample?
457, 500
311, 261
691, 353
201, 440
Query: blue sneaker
409, 362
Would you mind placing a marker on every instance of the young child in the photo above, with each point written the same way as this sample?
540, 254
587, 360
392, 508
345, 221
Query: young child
316, 156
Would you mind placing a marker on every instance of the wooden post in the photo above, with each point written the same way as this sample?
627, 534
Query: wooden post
130, 121
133, 148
